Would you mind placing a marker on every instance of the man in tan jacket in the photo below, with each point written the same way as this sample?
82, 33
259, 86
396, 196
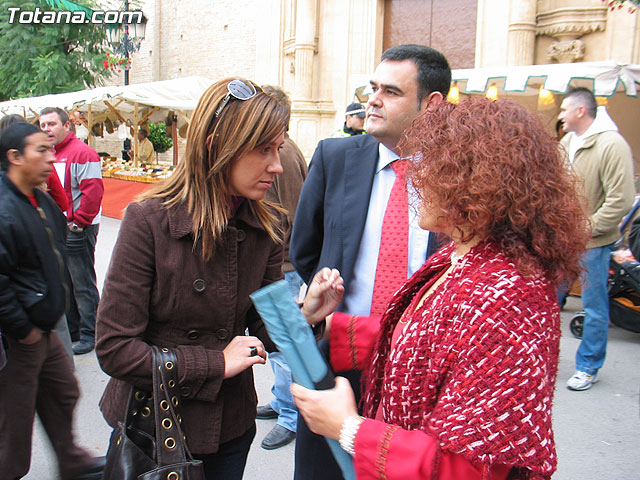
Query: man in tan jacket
602, 160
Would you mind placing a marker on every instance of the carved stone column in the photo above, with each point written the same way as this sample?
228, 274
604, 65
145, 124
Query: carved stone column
304, 49
521, 38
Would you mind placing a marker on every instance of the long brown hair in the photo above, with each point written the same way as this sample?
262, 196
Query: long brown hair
201, 179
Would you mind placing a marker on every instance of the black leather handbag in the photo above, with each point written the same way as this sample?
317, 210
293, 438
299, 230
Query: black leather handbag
149, 444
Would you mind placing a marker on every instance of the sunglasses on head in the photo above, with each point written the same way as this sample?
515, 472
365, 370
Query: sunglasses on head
237, 89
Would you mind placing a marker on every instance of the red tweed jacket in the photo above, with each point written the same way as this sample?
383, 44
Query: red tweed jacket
471, 374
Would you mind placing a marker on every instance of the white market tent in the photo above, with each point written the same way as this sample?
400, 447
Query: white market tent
132, 105
604, 78
614, 84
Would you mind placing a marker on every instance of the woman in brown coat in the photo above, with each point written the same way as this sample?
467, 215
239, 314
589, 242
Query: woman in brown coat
187, 257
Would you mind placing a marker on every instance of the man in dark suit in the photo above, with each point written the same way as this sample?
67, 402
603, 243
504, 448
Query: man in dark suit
342, 205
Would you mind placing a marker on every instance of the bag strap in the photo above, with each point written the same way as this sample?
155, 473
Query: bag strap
139, 412
171, 446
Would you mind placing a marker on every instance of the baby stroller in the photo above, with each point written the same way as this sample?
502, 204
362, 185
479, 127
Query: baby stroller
623, 288
624, 298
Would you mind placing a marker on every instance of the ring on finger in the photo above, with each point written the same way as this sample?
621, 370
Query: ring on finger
253, 351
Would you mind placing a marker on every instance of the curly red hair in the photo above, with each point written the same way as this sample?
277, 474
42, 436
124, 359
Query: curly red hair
494, 170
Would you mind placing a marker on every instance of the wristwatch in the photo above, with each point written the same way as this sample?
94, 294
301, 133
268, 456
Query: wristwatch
76, 228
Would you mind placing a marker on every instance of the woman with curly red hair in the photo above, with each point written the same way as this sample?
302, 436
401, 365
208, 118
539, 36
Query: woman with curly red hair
462, 365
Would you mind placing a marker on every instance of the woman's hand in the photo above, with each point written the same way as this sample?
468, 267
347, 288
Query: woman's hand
323, 295
325, 410
243, 352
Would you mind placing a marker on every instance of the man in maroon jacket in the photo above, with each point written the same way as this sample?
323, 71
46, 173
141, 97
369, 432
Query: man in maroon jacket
80, 172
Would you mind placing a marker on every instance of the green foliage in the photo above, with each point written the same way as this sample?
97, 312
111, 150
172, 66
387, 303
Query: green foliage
66, 5
43, 58
158, 137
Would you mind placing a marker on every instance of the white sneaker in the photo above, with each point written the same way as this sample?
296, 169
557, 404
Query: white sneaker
582, 380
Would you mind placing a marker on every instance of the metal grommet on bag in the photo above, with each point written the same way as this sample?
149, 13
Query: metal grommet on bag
162, 426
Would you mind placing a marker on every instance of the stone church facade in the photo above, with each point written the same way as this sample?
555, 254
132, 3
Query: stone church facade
320, 51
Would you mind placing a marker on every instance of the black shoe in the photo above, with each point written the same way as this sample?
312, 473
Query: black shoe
278, 437
95, 472
82, 347
265, 412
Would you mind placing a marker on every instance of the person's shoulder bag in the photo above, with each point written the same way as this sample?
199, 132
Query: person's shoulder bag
149, 444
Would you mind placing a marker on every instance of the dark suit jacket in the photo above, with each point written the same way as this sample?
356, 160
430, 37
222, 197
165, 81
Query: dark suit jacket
333, 207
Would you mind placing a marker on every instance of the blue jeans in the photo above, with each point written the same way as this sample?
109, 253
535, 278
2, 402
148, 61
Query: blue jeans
283, 402
81, 247
595, 302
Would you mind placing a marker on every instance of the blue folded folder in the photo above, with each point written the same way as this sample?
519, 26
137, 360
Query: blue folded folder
292, 334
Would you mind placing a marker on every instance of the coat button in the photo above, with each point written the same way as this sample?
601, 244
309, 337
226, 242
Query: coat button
222, 334
199, 285
241, 235
185, 391
193, 334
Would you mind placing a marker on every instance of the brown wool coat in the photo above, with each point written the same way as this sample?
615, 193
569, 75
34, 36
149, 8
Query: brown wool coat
159, 291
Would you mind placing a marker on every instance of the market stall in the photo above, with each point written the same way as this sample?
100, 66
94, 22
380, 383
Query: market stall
123, 109
541, 87
130, 106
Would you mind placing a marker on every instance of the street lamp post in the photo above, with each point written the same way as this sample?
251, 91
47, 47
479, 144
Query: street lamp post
127, 37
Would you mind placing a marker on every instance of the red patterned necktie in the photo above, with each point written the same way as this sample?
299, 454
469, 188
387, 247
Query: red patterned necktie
393, 259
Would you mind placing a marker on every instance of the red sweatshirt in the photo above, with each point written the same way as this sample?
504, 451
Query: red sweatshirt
82, 180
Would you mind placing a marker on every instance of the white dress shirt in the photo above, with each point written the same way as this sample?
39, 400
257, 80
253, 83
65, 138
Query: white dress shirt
357, 300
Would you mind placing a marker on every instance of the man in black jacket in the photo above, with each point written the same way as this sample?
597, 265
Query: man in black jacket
33, 295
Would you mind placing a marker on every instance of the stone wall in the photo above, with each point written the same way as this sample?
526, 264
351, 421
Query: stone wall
525, 32
448, 26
